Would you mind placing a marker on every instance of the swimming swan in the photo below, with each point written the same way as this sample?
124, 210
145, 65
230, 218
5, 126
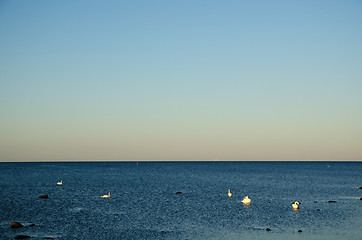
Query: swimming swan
246, 200
106, 196
229, 193
295, 205
60, 183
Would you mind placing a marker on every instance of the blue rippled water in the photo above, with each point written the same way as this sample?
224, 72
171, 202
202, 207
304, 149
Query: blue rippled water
144, 203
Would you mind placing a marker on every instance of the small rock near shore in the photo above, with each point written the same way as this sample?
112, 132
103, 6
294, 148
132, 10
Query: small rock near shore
22, 237
43, 196
16, 225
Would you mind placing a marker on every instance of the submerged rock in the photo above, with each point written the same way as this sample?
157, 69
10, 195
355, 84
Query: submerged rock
32, 225
43, 196
16, 225
178, 192
300, 230
318, 210
268, 229
22, 237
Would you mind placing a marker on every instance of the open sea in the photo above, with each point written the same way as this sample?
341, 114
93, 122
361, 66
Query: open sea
144, 203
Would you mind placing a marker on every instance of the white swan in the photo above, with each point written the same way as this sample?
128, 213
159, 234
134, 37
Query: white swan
229, 193
295, 205
60, 183
106, 196
246, 200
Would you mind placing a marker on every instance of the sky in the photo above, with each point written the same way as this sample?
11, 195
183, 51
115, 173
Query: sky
180, 80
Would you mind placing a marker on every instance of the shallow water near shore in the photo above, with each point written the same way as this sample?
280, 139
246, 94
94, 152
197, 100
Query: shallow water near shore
144, 203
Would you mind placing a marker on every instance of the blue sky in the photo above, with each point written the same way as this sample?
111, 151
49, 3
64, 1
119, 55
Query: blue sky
180, 80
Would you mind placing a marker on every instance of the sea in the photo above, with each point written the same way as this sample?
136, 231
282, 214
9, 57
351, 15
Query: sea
181, 200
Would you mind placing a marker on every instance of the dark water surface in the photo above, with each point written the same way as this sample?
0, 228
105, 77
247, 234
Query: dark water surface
143, 203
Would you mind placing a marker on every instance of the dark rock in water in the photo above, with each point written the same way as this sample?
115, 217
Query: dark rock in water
268, 229
22, 237
43, 196
32, 225
16, 225
315, 201
360, 198
300, 230
360, 188
318, 209
332, 201
47, 238
178, 192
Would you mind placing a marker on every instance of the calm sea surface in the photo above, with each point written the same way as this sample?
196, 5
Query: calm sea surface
144, 203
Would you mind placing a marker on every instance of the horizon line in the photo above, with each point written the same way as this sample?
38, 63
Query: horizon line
208, 160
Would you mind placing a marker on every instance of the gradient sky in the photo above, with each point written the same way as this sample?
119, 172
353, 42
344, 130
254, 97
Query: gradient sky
180, 80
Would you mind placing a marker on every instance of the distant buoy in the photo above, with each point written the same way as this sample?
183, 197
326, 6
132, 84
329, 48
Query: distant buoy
60, 183
229, 193
106, 196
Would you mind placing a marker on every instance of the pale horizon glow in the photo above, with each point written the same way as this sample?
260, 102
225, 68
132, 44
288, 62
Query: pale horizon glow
185, 80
